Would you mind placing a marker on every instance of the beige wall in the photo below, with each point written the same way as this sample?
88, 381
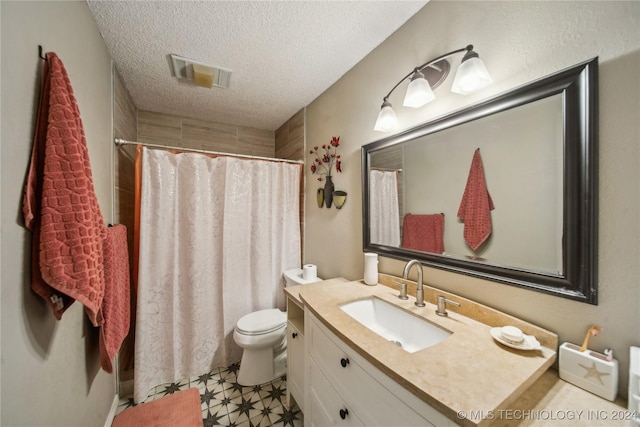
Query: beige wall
519, 42
50, 369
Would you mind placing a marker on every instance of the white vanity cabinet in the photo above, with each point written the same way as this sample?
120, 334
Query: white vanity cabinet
342, 388
295, 353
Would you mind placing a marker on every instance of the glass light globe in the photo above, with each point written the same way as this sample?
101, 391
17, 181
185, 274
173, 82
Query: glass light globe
387, 119
419, 92
471, 76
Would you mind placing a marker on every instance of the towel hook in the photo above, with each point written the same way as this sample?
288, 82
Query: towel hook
44, 58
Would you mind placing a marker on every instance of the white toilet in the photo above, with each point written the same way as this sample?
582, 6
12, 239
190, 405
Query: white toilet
263, 338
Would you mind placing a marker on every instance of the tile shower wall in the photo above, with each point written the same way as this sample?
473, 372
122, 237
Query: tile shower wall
166, 129
290, 138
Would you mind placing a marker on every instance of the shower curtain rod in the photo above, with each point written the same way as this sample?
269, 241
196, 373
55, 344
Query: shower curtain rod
120, 142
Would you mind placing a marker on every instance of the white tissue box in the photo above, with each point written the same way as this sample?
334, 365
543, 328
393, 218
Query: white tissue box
589, 370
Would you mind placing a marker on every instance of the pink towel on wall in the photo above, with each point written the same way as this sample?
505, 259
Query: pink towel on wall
115, 305
423, 233
476, 205
60, 206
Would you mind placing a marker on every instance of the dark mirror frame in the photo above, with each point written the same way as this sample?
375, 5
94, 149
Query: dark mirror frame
579, 88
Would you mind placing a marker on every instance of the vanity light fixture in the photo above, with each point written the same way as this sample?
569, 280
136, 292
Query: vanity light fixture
471, 75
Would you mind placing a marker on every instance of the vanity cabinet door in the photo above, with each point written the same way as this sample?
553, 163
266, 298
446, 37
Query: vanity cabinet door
325, 406
295, 364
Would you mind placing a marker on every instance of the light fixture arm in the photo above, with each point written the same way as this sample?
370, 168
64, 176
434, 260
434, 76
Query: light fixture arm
468, 48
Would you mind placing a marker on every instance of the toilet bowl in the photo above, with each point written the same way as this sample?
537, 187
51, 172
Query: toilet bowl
263, 339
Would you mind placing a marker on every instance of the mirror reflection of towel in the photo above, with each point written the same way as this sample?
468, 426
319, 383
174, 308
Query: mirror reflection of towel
423, 233
476, 205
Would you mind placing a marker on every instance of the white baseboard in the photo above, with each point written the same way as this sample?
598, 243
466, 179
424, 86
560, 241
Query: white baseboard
112, 412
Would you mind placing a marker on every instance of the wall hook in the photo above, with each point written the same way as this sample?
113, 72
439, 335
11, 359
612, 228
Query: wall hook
40, 54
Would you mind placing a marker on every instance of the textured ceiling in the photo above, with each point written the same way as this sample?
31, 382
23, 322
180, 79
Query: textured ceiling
282, 54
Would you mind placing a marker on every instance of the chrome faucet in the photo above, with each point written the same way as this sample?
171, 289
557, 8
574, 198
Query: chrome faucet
419, 291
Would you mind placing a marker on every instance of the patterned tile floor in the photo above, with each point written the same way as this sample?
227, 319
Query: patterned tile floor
227, 403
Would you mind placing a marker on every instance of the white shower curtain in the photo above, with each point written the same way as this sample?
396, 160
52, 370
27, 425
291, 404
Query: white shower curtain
215, 236
384, 216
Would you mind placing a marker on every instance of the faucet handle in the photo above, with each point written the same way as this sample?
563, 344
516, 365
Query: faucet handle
442, 305
403, 289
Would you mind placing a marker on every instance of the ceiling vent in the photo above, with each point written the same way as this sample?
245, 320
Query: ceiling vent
199, 73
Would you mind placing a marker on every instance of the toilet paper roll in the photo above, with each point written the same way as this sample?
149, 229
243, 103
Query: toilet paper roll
309, 271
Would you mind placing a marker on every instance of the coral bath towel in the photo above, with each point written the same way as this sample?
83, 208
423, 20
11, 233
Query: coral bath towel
423, 233
476, 205
60, 206
115, 305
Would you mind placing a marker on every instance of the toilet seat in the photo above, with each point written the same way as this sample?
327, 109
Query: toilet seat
262, 322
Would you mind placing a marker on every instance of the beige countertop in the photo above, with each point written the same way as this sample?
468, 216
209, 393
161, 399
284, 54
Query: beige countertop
467, 373
550, 401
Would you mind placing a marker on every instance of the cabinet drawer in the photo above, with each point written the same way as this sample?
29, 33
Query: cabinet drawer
333, 361
326, 408
374, 403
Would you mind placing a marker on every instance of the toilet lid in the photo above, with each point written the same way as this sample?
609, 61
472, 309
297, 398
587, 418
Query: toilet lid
261, 322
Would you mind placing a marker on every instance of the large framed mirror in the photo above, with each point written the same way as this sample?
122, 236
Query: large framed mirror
525, 162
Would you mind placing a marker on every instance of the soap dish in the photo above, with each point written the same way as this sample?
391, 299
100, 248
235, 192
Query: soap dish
529, 342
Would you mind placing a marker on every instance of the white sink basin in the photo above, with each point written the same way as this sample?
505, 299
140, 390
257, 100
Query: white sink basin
402, 328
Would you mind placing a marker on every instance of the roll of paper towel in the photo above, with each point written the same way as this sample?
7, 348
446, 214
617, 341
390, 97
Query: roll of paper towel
309, 271
371, 269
